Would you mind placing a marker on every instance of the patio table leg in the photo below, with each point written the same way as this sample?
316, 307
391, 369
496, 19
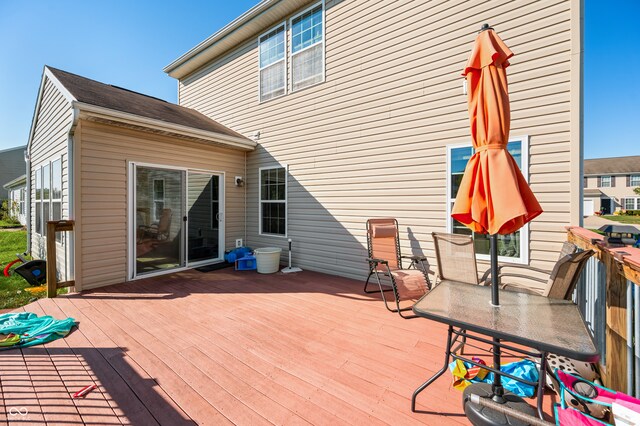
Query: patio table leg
423, 386
542, 377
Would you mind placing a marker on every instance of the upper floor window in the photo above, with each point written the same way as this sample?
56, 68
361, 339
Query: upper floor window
512, 247
273, 69
605, 181
307, 48
585, 182
634, 180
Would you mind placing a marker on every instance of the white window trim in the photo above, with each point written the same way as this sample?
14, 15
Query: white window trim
286, 200
324, 46
284, 58
153, 191
631, 180
524, 231
602, 181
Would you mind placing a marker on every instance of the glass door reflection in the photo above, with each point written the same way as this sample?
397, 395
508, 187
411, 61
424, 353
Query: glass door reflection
159, 207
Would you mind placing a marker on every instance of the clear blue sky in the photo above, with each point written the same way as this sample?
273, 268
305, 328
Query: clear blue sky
127, 43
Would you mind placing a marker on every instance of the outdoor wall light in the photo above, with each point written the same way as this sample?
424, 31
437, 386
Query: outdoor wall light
239, 181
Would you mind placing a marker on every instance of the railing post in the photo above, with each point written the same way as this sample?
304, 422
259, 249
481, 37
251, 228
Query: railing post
52, 279
53, 285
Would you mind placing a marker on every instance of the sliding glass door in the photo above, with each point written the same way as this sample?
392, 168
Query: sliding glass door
204, 217
177, 219
159, 212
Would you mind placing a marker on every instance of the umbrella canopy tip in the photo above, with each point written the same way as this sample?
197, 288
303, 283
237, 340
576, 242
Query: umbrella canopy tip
485, 27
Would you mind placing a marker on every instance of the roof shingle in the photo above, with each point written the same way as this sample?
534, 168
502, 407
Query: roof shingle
117, 98
612, 165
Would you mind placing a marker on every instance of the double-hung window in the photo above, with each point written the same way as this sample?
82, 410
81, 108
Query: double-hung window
634, 180
605, 181
512, 247
46, 197
273, 201
307, 48
22, 198
273, 67
56, 193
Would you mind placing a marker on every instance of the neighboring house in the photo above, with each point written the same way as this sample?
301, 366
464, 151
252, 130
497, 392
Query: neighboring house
17, 196
12, 166
358, 111
609, 183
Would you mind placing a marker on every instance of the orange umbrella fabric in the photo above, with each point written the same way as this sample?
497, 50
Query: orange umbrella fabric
493, 197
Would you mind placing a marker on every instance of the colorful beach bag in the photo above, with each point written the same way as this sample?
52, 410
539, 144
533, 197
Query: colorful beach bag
591, 400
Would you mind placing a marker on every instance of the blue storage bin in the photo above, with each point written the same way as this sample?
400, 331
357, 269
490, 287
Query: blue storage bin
247, 263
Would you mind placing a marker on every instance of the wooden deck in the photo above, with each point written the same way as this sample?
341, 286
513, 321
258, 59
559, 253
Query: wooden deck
229, 347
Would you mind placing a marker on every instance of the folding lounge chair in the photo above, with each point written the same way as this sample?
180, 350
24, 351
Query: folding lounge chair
160, 230
561, 281
385, 260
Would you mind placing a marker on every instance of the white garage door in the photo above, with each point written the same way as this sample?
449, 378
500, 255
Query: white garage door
587, 208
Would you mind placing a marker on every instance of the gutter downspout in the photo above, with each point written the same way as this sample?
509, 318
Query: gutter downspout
71, 249
246, 180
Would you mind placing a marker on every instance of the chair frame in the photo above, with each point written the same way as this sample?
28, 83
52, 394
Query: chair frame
568, 250
373, 270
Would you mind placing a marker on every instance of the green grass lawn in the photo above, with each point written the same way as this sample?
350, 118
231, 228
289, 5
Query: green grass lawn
623, 219
13, 293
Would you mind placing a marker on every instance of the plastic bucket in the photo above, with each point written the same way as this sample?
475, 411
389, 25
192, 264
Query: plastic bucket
268, 259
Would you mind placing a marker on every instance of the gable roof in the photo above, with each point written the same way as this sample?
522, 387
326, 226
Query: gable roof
251, 23
19, 181
612, 165
116, 98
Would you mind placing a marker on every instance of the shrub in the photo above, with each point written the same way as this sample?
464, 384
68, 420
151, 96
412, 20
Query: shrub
632, 212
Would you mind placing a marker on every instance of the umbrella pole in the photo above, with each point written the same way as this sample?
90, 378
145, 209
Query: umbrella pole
497, 389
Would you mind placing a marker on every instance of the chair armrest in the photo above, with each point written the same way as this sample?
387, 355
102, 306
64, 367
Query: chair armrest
527, 277
416, 258
372, 260
527, 267
521, 289
485, 277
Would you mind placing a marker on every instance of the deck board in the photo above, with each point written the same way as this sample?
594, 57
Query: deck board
230, 347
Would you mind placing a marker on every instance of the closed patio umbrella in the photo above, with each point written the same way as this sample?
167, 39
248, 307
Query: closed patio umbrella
493, 197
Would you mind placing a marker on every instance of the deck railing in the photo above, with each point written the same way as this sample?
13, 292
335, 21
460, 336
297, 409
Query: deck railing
609, 297
54, 226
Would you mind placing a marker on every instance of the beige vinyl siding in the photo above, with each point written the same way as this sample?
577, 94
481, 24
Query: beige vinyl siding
371, 140
104, 154
49, 143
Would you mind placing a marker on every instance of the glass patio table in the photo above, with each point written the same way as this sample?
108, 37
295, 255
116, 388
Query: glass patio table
539, 323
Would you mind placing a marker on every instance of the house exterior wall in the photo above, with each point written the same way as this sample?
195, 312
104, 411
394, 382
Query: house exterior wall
371, 141
103, 153
15, 193
618, 191
12, 165
50, 142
